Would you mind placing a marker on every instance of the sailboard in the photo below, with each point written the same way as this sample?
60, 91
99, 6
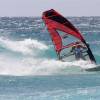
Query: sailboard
64, 36
96, 68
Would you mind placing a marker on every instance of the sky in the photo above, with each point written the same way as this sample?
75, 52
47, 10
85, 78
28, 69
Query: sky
36, 7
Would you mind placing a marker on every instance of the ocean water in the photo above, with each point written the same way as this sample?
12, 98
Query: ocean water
29, 69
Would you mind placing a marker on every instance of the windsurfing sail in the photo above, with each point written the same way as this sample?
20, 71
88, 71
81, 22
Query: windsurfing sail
56, 23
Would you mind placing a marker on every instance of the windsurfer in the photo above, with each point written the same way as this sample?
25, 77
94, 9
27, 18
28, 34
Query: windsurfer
77, 50
55, 23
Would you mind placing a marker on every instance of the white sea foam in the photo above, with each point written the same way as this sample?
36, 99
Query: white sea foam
36, 66
29, 66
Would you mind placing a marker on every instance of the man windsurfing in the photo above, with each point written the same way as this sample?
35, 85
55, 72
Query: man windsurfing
55, 22
77, 51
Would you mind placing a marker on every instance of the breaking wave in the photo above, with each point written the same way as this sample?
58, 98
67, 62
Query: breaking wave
35, 66
26, 46
31, 62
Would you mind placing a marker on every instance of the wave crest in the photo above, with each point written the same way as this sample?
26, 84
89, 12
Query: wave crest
27, 46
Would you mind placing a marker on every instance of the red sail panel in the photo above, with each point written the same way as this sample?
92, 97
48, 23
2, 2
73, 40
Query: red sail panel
56, 39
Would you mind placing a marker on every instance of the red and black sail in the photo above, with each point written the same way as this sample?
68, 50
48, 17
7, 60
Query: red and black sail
54, 21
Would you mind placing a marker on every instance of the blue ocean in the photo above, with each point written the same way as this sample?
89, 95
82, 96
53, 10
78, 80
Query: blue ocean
29, 69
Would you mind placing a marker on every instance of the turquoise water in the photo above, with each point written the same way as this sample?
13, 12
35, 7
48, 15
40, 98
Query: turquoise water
70, 87
29, 69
